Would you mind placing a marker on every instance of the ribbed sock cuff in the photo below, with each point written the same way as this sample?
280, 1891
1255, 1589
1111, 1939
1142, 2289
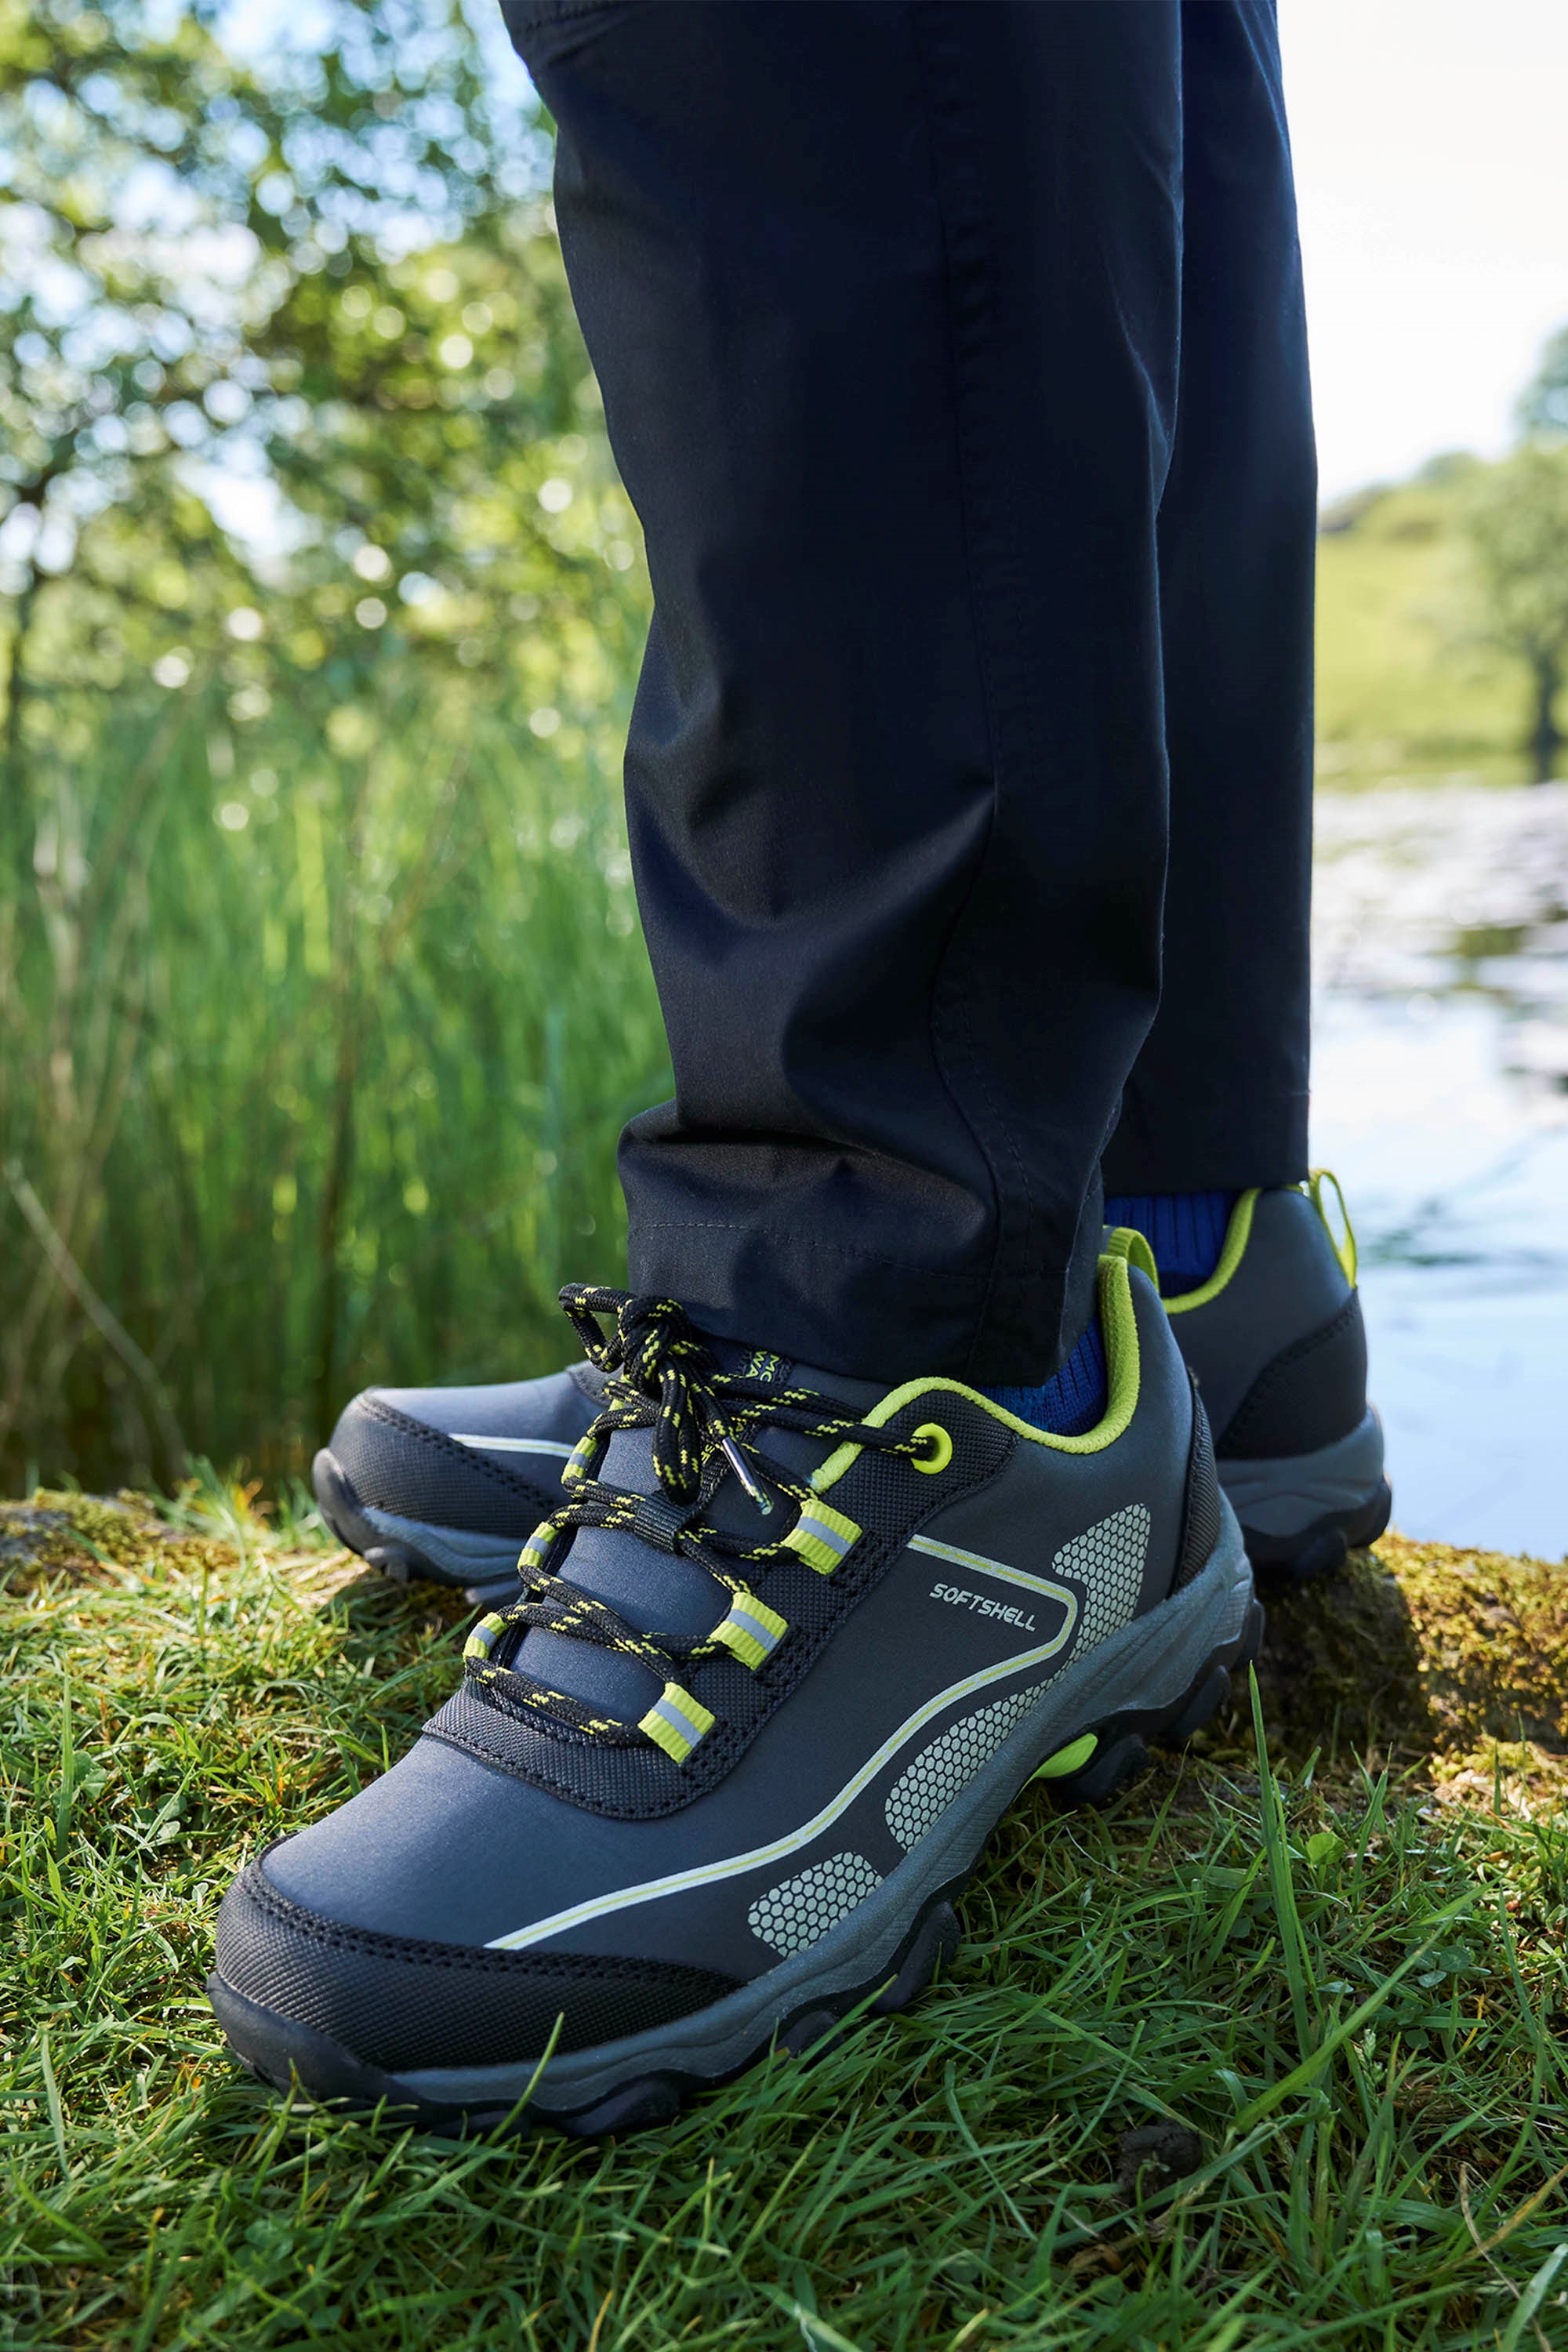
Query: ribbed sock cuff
1185, 1231
1071, 1401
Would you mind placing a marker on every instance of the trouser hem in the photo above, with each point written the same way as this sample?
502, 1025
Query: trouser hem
822, 1302
1194, 1145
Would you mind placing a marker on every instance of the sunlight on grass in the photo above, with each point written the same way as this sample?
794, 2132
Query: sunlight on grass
1250, 2059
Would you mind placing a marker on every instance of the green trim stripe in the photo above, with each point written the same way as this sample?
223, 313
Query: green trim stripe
482, 1640
1345, 1250
1126, 1240
822, 1535
1238, 1234
510, 1444
536, 1550
625, 1898
580, 1461
1119, 1328
977, 1564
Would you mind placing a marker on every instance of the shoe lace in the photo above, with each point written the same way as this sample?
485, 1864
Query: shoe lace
661, 1375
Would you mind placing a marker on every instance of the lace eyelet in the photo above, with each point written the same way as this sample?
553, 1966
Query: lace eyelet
939, 1447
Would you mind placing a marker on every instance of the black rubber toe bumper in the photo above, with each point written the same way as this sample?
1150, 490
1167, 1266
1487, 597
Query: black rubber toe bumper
386, 1458
394, 2002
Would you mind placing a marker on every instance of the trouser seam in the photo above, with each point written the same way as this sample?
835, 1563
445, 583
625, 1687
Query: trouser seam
940, 93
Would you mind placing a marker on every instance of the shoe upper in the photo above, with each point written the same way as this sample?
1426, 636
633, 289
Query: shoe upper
1275, 1338
603, 1827
486, 1460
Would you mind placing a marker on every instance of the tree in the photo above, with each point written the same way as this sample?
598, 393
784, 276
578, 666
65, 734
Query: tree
326, 276
1516, 519
1543, 404
312, 287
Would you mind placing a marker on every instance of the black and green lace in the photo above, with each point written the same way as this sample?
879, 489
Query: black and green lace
662, 1375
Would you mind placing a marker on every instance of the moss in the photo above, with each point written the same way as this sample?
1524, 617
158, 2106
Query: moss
1416, 1653
1420, 1649
80, 1536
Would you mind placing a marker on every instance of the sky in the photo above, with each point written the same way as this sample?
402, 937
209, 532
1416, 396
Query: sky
1431, 146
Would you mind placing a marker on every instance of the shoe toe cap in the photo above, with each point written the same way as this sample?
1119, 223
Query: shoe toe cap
396, 2004
395, 1460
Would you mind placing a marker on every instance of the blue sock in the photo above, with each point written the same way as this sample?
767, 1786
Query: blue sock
1071, 1401
1184, 1229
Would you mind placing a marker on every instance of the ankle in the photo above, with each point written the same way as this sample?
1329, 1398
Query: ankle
1185, 1231
1072, 1400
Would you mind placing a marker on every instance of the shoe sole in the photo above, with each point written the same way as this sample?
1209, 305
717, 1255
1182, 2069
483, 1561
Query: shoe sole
1325, 1545
410, 1550
1302, 1513
1158, 1679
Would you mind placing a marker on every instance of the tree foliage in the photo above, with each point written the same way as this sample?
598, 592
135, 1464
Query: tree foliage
1516, 521
1543, 404
325, 277
320, 992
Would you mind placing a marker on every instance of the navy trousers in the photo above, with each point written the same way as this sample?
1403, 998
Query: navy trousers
954, 358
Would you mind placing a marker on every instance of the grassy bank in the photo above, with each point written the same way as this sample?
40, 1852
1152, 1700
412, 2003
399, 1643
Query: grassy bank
1266, 2060
1406, 687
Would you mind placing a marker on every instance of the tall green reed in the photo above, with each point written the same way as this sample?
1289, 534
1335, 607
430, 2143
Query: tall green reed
318, 1035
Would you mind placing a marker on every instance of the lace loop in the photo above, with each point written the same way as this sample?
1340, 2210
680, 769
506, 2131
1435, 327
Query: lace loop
662, 1375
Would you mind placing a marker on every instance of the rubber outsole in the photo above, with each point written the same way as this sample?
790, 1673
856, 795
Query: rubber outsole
1323, 1546
282, 2052
399, 1558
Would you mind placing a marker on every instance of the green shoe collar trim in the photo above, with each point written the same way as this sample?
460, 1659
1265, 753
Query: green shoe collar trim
1345, 1249
1119, 1328
1238, 1234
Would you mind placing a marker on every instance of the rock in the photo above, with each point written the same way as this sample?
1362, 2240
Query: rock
80, 1536
1418, 1649
1153, 2155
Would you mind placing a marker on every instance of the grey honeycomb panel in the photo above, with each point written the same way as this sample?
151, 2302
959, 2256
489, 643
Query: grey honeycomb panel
793, 1915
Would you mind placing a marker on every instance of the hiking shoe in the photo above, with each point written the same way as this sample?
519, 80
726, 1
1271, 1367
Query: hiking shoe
780, 1663
449, 1482
1276, 1342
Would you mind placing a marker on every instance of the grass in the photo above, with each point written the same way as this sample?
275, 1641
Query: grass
1258, 2057
311, 1073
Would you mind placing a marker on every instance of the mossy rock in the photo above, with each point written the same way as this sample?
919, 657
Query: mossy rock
1414, 1651
80, 1536
1418, 1650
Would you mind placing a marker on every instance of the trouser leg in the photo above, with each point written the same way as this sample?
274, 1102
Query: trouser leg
1218, 1095
883, 300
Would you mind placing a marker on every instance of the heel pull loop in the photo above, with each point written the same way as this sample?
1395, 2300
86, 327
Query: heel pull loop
1127, 1241
1345, 1249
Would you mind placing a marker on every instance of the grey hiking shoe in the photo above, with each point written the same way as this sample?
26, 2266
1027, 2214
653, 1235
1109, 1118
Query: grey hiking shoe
716, 1779
449, 1482
1276, 1342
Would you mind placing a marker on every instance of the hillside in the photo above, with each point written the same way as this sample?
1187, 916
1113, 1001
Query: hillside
1404, 690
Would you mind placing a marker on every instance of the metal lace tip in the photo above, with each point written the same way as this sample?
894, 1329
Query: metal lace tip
736, 1460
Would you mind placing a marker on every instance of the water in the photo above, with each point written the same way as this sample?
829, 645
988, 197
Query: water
1441, 1100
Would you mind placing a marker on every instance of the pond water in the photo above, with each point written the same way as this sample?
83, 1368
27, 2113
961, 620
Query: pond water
1441, 1101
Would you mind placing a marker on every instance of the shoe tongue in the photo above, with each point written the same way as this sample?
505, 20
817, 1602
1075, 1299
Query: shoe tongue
655, 1591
